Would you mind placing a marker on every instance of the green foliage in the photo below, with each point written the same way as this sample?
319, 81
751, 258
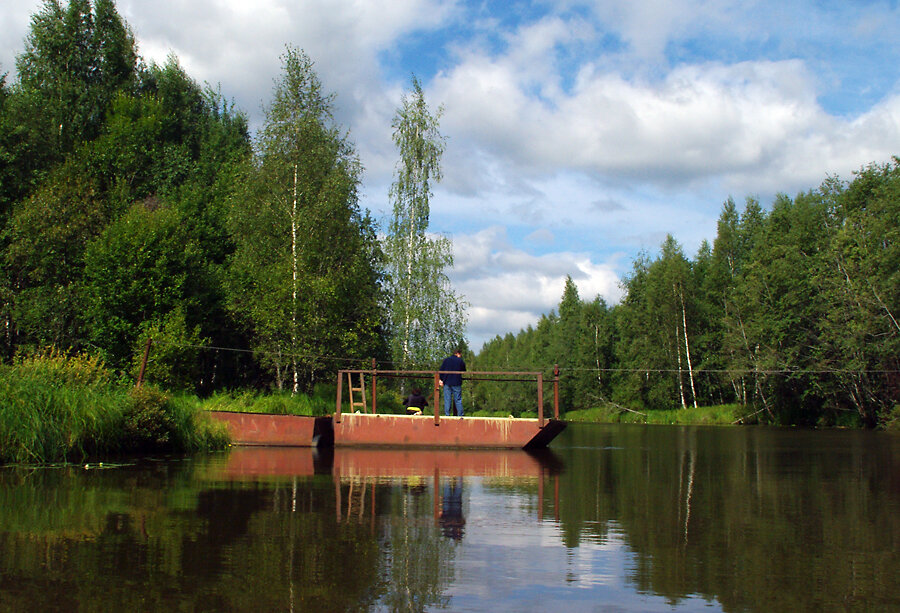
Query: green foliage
700, 416
63, 370
55, 407
112, 201
891, 421
154, 421
791, 315
174, 362
277, 403
148, 421
44, 256
319, 402
305, 275
144, 271
75, 59
427, 318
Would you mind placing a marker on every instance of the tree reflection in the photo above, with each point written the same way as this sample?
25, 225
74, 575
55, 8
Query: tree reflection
418, 563
758, 519
157, 538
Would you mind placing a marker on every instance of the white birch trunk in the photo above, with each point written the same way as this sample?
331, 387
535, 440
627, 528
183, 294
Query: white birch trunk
687, 349
680, 381
294, 273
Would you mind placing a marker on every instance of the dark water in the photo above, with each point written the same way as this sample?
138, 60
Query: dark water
616, 518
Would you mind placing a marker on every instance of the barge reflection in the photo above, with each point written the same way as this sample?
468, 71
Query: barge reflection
252, 462
356, 471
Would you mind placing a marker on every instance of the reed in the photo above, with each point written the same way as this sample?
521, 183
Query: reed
58, 408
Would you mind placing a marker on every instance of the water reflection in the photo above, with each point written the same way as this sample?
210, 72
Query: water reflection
629, 518
254, 529
453, 521
759, 519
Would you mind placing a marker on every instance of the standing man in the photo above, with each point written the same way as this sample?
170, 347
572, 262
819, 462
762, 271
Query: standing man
451, 381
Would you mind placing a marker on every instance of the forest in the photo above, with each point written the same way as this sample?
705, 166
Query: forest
790, 314
136, 205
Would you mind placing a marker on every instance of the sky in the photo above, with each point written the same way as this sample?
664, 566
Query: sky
578, 133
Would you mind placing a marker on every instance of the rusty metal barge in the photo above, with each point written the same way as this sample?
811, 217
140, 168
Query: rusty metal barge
364, 426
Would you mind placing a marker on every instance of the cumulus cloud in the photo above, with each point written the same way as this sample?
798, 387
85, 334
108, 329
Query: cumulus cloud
15, 18
583, 131
756, 125
509, 288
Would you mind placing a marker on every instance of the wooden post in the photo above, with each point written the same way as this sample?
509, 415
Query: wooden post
140, 379
437, 409
373, 387
337, 410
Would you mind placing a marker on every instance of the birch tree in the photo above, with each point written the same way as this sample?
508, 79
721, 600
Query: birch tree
427, 316
305, 274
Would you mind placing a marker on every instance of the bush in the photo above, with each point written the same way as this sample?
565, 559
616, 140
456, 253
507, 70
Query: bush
891, 421
155, 422
53, 367
148, 423
174, 354
55, 407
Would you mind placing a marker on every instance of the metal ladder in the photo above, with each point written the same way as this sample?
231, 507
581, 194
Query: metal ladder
362, 393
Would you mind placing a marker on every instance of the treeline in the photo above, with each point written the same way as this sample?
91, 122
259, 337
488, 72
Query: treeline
134, 204
791, 313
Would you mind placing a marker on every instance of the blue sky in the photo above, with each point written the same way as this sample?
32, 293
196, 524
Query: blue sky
578, 132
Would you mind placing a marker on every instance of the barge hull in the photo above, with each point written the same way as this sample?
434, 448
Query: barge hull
358, 429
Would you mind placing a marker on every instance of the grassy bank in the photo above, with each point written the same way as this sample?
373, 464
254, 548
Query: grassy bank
278, 403
726, 414
57, 408
319, 403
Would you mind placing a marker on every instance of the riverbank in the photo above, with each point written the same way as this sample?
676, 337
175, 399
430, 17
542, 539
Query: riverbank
719, 415
321, 403
57, 408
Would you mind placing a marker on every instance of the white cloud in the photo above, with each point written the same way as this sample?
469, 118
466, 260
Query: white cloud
510, 288
580, 133
15, 18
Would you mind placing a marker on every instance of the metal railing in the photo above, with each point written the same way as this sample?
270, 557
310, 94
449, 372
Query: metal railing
488, 375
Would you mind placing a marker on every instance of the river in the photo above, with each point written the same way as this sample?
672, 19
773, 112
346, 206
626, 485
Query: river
613, 518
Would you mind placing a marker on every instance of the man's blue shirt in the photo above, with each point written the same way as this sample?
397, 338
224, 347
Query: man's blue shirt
456, 364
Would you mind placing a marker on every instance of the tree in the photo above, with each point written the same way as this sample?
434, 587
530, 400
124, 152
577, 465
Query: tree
427, 316
140, 270
595, 348
75, 60
44, 244
859, 332
305, 275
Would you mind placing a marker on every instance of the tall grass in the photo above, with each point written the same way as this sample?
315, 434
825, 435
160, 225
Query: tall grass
713, 415
320, 402
277, 403
55, 407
